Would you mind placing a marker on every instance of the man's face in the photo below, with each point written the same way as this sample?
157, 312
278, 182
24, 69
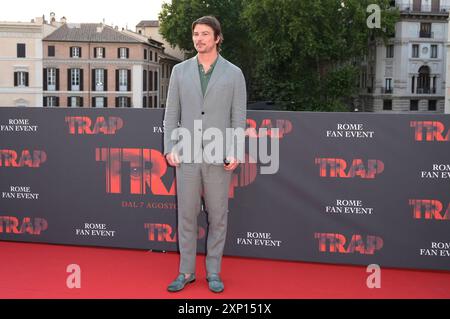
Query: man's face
203, 37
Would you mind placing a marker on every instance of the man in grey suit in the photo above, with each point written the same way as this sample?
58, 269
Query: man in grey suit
209, 89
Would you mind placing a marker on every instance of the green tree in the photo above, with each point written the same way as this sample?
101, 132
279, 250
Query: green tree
301, 54
307, 50
176, 20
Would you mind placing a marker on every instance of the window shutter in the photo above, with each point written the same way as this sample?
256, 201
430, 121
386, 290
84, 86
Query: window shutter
69, 101
145, 54
128, 53
80, 53
150, 80
69, 80
93, 102
156, 81
15, 78
57, 101
44, 101
81, 102
81, 80
26, 79
118, 53
45, 80
144, 77
105, 82
71, 52
105, 102
57, 79
144, 102
129, 101
95, 52
117, 101
117, 80
94, 80
128, 80
104, 53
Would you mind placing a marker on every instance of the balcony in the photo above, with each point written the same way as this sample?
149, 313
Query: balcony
426, 34
426, 91
387, 90
406, 8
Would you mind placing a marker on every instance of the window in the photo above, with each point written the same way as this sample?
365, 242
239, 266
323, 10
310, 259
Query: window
99, 79
99, 53
51, 50
156, 80
122, 101
123, 53
414, 105
144, 102
415, 51
390, 51
99, 102
75, 52
123, 80
75, 101
432, 105
52, 101
425, 30
20, 79
156, 56
21, 50
388, 86
51, 79
434, 51
387, 105
75, 79
151, 55
145, 54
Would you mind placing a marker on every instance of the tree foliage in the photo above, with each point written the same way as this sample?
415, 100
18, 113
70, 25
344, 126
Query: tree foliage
301, 54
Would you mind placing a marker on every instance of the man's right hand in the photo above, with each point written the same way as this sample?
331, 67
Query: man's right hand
173, 159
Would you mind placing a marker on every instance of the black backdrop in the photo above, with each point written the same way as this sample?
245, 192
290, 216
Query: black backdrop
351, 188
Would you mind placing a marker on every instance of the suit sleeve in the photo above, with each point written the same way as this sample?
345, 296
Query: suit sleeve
173, 111
238, 111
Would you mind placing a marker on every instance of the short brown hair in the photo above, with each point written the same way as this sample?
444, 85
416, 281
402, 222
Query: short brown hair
214, 24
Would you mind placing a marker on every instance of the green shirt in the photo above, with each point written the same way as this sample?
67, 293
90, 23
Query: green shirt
205, 77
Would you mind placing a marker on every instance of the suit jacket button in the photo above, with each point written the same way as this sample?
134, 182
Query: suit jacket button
203, 113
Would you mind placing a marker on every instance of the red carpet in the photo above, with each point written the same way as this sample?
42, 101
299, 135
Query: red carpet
39, 271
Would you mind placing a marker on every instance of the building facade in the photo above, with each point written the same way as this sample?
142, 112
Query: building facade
408, 73
21, 62
150, 29
95, 65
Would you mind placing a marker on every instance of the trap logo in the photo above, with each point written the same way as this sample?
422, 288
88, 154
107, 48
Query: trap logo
339, 168
338, 243
430, 131
28, 225
429, 209
27, 158
83, 125
166, 233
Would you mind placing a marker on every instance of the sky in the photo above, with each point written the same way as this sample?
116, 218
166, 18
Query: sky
114, 12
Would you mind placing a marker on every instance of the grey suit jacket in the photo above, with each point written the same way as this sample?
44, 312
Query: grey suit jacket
223, 106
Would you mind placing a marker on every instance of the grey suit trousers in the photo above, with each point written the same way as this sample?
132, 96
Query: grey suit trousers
214, 182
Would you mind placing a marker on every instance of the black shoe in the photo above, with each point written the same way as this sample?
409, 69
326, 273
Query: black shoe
181, 281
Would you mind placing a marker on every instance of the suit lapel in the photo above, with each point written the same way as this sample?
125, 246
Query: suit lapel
217, 73
193, 70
